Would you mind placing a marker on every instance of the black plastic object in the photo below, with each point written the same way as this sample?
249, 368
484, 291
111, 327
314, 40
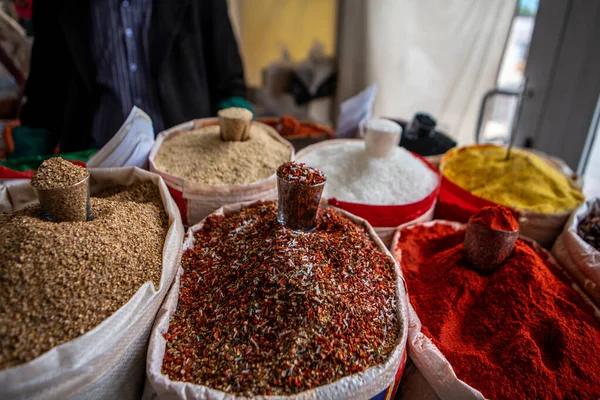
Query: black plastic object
421, 137
302, 94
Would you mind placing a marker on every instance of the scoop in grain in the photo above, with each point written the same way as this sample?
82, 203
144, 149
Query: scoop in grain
57, 172
59, 281
200, 156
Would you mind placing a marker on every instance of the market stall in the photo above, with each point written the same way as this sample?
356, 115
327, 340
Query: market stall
284, 284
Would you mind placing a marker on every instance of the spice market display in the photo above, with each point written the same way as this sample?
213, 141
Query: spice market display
519, 331
78, 298
203, 157
264, 309
212, 162
523, 182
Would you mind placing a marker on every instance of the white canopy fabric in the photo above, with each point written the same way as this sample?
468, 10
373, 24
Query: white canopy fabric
436, 56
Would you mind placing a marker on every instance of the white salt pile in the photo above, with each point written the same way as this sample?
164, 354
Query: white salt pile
353, 176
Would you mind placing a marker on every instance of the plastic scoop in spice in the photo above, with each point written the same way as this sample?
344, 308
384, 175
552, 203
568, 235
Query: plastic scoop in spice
381, 136
63, 190
299, 190
235, 124
490, 238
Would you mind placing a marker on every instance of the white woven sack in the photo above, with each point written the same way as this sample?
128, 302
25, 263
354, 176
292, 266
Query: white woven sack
387, 234
200, 199
576, 255
130, 146
436, 369
108, 361
545, 228
365, 385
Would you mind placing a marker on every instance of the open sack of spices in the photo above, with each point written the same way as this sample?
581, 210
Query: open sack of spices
578, 247
543, 190
376, 179
492, 315
79, 296
283, 299
208, 163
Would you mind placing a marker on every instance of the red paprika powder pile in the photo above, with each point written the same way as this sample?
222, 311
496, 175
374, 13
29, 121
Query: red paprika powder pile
497, 218
520, 333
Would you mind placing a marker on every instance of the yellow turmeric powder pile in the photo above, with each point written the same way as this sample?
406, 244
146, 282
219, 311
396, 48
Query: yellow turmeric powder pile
524, 182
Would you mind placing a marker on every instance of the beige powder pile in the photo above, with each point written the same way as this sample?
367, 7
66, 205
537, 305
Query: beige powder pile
60, 280
202, 157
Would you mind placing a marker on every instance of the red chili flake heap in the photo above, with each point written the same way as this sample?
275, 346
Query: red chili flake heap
266, 310
301, 173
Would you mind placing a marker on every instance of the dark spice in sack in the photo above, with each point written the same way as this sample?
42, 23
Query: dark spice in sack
589, 229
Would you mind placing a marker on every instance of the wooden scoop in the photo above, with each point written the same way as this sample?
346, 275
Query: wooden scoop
235, 124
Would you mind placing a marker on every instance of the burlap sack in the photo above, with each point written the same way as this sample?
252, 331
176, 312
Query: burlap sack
424, 353
195, 200
577, 256
379, 381
108, 361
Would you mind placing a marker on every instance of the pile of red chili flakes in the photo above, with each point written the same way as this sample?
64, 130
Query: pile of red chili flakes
265, 310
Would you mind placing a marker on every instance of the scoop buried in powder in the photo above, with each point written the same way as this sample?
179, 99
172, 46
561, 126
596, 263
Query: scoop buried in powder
63, 190
299, 192
381, 137
490, 238
235, 124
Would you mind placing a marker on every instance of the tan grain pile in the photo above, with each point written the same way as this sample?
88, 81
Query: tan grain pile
202, 157
60, 280
56, 173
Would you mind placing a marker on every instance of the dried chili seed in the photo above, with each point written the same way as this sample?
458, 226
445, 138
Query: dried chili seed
299, 187
299, 172
266, 310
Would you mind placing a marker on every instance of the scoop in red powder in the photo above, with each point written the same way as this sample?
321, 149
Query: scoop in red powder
490, 238
497, 218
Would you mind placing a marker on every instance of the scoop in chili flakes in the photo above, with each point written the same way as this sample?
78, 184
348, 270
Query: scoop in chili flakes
265, 310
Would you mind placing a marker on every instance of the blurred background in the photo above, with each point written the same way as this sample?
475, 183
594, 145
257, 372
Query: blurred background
461, 61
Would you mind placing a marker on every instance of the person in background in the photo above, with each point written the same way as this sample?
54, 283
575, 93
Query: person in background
23, 10
93, 60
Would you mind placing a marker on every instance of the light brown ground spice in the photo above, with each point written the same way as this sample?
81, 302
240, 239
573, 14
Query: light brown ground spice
57, 172
60, 280
202, 157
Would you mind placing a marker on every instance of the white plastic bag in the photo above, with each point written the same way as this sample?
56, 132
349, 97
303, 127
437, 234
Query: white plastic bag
108, 361
130, 146
576, 255
195, 200
376, 381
